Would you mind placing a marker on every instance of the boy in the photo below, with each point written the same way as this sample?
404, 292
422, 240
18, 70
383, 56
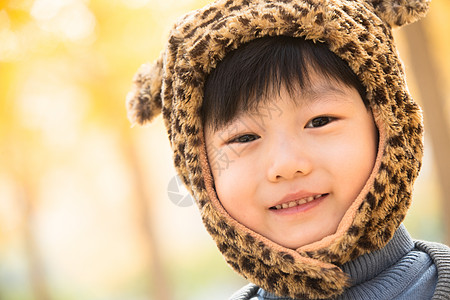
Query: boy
293, 129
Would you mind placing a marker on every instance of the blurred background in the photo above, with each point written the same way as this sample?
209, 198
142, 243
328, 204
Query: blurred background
89, 207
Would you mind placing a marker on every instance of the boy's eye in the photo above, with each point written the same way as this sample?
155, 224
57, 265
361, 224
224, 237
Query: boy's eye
245, 138
319, 122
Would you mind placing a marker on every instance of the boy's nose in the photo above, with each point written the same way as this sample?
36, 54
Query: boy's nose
287, 161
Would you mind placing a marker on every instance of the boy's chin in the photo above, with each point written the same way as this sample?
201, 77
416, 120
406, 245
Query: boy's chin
297, 241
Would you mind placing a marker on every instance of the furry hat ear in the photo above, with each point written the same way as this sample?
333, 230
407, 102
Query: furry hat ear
397, 13
144, 99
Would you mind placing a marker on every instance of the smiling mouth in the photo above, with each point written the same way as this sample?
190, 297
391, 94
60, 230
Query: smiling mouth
297, 202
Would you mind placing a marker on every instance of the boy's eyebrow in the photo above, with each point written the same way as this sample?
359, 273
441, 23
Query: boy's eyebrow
315, 93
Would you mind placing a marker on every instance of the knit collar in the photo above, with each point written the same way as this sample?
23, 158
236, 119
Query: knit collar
370, 265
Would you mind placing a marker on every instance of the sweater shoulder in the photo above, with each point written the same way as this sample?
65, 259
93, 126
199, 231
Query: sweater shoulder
440, 255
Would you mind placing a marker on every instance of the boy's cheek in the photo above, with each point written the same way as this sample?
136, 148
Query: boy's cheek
235, 174
229, 157
220, 163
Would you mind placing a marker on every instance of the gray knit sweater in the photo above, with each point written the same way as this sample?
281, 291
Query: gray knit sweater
404, 269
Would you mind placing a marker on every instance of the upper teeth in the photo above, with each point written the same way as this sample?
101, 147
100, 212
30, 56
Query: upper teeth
297, 202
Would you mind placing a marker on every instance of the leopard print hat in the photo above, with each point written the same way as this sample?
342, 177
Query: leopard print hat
358, 31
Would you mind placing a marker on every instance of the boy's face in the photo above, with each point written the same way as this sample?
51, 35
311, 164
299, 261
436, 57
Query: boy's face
290, 170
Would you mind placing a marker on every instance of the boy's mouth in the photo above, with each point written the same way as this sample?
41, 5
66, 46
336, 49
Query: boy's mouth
297, 202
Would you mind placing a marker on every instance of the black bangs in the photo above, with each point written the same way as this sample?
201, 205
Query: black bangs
261, 68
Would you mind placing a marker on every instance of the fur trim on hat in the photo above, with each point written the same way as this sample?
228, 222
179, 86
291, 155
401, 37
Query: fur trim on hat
400, 12
144, 99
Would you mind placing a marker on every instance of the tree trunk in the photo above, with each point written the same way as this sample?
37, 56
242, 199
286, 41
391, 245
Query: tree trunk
35, 265
161, 289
